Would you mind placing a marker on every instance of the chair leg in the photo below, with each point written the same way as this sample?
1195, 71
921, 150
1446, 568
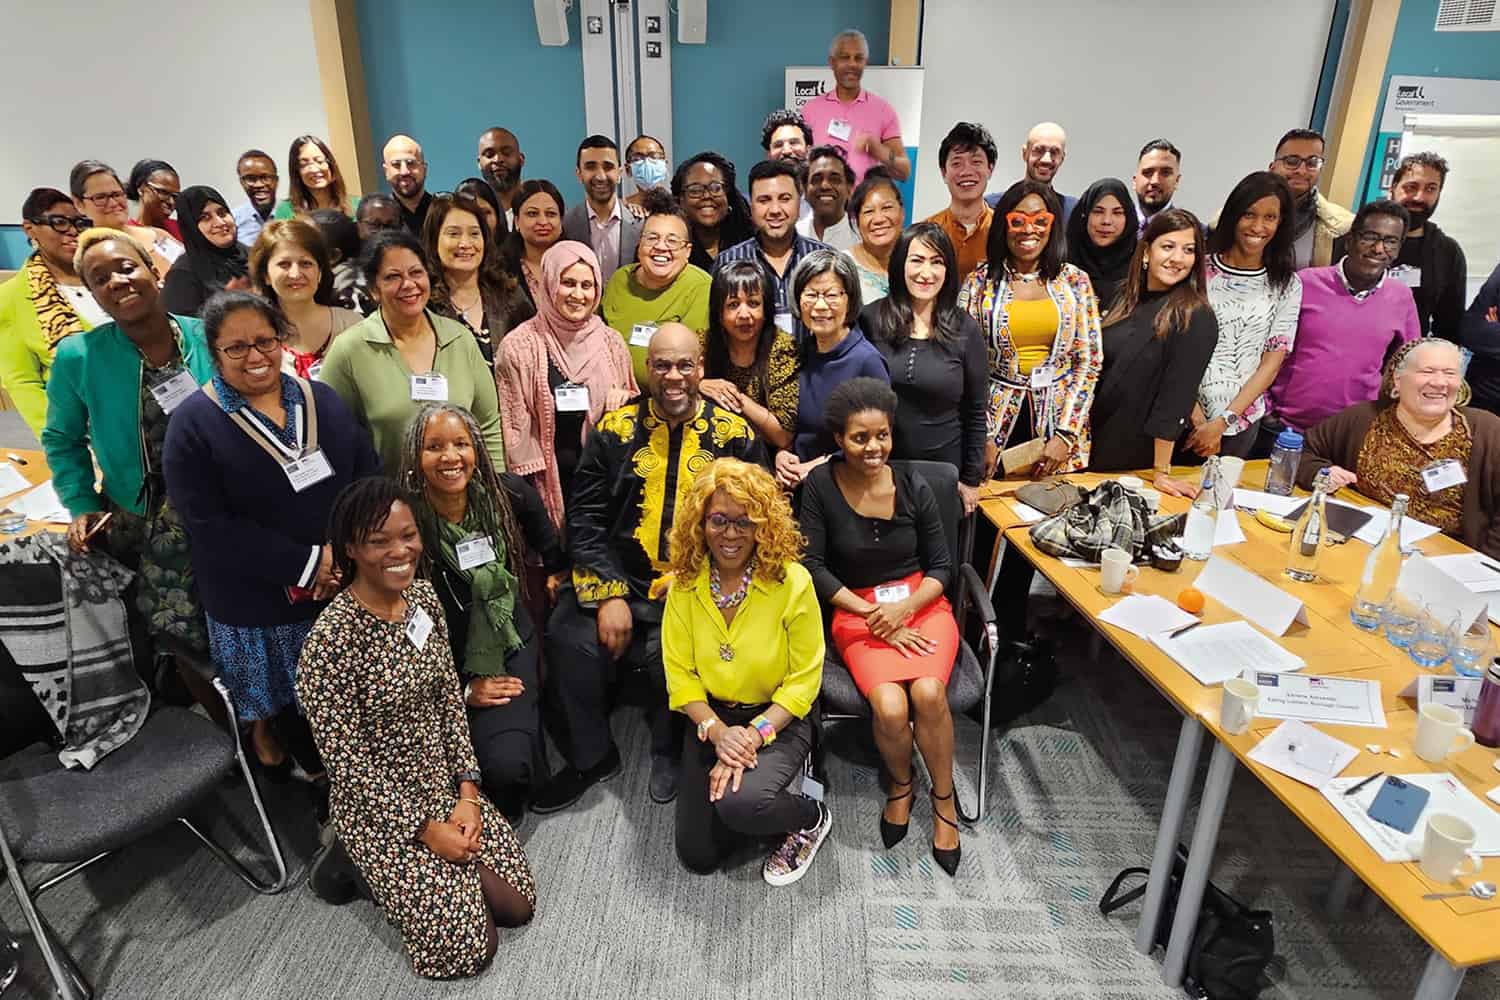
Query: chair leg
992, 635
66, 976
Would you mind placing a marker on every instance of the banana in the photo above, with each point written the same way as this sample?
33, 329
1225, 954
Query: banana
1273, 522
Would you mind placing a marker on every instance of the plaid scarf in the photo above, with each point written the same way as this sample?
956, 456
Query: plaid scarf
1109, 516
54, 313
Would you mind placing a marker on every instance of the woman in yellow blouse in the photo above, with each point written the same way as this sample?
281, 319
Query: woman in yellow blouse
742, 645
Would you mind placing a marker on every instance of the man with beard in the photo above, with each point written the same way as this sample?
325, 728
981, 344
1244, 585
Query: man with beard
829, 181
636, 464
1157, 173
1043, 153
860, 123
1432, 263
1318, 222
500, 162
602, 221
257, 174
406, 173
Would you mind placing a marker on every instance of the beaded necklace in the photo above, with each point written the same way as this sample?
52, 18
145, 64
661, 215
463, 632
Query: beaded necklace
722, 600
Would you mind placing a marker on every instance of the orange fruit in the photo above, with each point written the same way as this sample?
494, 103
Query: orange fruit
1191, 600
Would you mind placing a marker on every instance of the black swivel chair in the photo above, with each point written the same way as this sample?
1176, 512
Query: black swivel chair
970, 681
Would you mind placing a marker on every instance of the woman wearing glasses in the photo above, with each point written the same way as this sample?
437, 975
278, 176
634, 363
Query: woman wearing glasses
316, 181
98, 193
43, 302
154, 185
661, 286
253, 462
718, 216
646, 159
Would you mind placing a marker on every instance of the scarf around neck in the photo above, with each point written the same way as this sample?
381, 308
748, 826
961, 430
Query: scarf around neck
1305, 213
214, 266
1102, 263
570, 343
492, 587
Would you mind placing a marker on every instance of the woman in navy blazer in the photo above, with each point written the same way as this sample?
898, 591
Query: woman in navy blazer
253, 461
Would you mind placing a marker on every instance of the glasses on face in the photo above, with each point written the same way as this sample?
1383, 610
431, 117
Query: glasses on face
721, 524
166, 195
669, 241
108, 197
1293, 162
638, 157
662, 367
832, 298
265, 345
1020, 222
63, 223
403, 164
258, 179
1369, 240
700, 191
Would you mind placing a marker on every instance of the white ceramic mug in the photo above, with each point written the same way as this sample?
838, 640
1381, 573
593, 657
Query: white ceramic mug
1152, 498
1448, 849
1237, 706
1116, 571
1440, 731
1131, 483
1230, 469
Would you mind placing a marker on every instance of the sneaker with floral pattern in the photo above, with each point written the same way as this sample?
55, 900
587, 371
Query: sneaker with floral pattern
790, 861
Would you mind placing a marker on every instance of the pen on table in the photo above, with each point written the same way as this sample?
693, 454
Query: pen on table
1377, 774
1183, 630
21, 461
1483, 562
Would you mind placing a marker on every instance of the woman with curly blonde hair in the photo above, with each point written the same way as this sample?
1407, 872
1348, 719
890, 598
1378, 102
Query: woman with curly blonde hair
742, 645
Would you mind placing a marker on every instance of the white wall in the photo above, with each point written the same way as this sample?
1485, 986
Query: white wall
1222, 80
191, 83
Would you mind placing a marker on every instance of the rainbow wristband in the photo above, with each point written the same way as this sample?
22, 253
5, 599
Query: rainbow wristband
767, 731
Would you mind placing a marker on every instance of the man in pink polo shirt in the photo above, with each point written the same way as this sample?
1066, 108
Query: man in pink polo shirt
853, 119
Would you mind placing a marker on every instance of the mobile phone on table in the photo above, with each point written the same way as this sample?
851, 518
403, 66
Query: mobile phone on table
1399, 804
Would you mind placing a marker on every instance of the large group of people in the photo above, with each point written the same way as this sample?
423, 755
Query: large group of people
430, 475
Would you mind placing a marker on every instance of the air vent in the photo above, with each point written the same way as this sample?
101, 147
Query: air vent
1468, 15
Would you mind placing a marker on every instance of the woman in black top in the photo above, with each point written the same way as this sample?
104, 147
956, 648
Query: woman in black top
878, 555
1158, 337
937, 358
1102, 236
214, 258
718, 216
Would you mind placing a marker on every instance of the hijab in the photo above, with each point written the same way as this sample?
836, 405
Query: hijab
214, 266
570, 343
1105, 266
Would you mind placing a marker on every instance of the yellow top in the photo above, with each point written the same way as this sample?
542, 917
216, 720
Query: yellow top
776, 640
1033, 328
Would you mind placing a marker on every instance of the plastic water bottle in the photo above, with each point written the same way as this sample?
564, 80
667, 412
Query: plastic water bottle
1202, 517
1281, 474
1382, 566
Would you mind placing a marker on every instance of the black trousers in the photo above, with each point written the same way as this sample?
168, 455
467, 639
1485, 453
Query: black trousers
1016, 571
507, 738
581, 677
763, 807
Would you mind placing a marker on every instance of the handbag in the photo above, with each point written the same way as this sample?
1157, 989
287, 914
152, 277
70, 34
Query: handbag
1232, 944
1049, 495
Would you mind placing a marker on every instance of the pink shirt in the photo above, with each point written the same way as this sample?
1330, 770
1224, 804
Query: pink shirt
835, 123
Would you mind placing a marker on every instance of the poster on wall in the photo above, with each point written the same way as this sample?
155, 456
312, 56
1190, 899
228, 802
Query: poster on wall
900, 85
1421, 95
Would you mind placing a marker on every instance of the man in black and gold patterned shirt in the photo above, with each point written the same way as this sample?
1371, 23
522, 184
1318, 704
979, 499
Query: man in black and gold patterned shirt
638, 460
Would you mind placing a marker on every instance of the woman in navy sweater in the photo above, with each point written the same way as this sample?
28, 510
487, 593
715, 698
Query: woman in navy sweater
253, 461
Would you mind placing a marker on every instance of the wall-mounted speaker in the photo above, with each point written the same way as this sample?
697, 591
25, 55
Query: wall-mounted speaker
551, 21
692, 22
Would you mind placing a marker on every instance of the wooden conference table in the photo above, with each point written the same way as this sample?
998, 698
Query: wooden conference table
36, 472
1460, 932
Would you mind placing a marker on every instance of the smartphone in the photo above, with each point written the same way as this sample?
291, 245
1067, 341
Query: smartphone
1399, 804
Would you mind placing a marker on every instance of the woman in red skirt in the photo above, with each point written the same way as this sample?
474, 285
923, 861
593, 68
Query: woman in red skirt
879, 558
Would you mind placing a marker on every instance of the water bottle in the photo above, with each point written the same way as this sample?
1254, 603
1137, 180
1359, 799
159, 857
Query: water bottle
1382, 566
1486, 724
1310, 534
1202, 517
1281, 474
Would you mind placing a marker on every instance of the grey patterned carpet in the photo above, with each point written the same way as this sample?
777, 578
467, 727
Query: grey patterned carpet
1075, 793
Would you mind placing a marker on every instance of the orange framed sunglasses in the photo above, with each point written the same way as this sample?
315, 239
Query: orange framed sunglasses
1018, 222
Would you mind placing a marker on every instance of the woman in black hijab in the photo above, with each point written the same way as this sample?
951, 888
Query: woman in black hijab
1102, 235
213, 259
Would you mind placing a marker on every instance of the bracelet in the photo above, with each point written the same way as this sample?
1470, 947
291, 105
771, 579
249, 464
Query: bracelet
475, 801
767, 731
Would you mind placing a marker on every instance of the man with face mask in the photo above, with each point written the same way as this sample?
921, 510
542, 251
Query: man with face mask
1432, 263
646, 160
636, 464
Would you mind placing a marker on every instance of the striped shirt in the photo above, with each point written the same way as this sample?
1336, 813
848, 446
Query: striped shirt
786, 316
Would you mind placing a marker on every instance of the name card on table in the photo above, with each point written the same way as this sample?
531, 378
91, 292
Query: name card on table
1264, 603
1459, 693
1342, 701
1428, 585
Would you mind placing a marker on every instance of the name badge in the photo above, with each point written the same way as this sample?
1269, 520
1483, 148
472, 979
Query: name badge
1441, 475
571, 398
1041, 377
783, 322
475, 551
170, 394
307, 470
641, 333
840, 129
1408, 275
432, 388
891, 593
418, 627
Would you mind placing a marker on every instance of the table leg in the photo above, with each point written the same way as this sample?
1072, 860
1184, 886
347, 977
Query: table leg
1338, 891
999, 554
1200, 860
1179, 786
1440, 980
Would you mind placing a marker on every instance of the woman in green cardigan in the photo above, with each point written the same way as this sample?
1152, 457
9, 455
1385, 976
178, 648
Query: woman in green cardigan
404, 354
44, 302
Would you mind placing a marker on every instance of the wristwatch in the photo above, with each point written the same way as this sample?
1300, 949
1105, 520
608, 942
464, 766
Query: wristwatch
1232, 422
705, 727
462, 776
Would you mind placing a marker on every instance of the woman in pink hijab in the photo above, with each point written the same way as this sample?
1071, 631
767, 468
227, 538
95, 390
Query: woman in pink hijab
559, 372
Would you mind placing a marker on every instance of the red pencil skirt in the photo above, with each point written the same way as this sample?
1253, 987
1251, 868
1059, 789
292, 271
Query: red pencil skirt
873, 661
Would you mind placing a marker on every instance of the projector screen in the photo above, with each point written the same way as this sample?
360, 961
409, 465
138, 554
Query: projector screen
1222, 81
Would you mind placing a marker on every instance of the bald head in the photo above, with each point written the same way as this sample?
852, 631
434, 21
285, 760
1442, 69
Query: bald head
1044, 151
405, 169
674, 367
500, 159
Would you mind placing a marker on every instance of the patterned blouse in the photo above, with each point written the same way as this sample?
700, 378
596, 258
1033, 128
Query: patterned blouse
780, 396
1254, 319
1391, 461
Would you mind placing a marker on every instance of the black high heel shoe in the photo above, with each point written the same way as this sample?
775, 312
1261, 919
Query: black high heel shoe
892, 834
947, 859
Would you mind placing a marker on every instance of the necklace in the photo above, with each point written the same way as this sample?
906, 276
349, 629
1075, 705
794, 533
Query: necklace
378, 614
1025, 277
722, 600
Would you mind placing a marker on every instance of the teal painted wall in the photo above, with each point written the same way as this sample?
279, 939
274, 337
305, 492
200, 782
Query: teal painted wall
13, 248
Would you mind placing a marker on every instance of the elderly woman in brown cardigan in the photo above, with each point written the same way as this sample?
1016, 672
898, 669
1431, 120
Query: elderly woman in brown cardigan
1416, 439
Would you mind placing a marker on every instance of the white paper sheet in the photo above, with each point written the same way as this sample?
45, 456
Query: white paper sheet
1426, 584
41, 504
1274, 503
1459, 693
1343, 701
1470, 569
11, 480
1448, 795
1261, 601
1146, 615
1299, 751
1412, 530
1215, 653
1027, 513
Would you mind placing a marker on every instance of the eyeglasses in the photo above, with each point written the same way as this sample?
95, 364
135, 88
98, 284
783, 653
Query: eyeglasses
1020, 222
101, 200
663, 367
1369, 240
718, 522
404, 164
1292, 162
63, 223
258, 179
700, 191
670, 241
812, 297
637, 157
163, 194
265, 345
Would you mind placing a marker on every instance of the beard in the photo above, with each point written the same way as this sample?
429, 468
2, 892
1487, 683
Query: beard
502, 180
1420, 215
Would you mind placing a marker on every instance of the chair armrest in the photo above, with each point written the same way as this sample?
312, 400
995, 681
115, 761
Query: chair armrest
974, 587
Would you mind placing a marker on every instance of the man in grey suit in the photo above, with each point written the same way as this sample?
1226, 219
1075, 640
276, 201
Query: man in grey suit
603, 221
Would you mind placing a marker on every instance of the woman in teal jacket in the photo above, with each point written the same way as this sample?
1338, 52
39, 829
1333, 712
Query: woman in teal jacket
114, 388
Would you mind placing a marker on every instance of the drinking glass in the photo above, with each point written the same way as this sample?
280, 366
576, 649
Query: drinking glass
1470, 648
1400, 619
1429, 642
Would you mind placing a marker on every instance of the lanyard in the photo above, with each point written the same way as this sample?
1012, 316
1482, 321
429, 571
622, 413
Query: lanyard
274, 447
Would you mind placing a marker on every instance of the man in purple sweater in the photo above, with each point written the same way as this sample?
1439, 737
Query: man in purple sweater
1352, 319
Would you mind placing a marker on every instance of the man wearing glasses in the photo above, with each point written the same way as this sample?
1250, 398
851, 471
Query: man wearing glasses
1353, 317
637, 463
257, 174
406, 173
1318, 221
